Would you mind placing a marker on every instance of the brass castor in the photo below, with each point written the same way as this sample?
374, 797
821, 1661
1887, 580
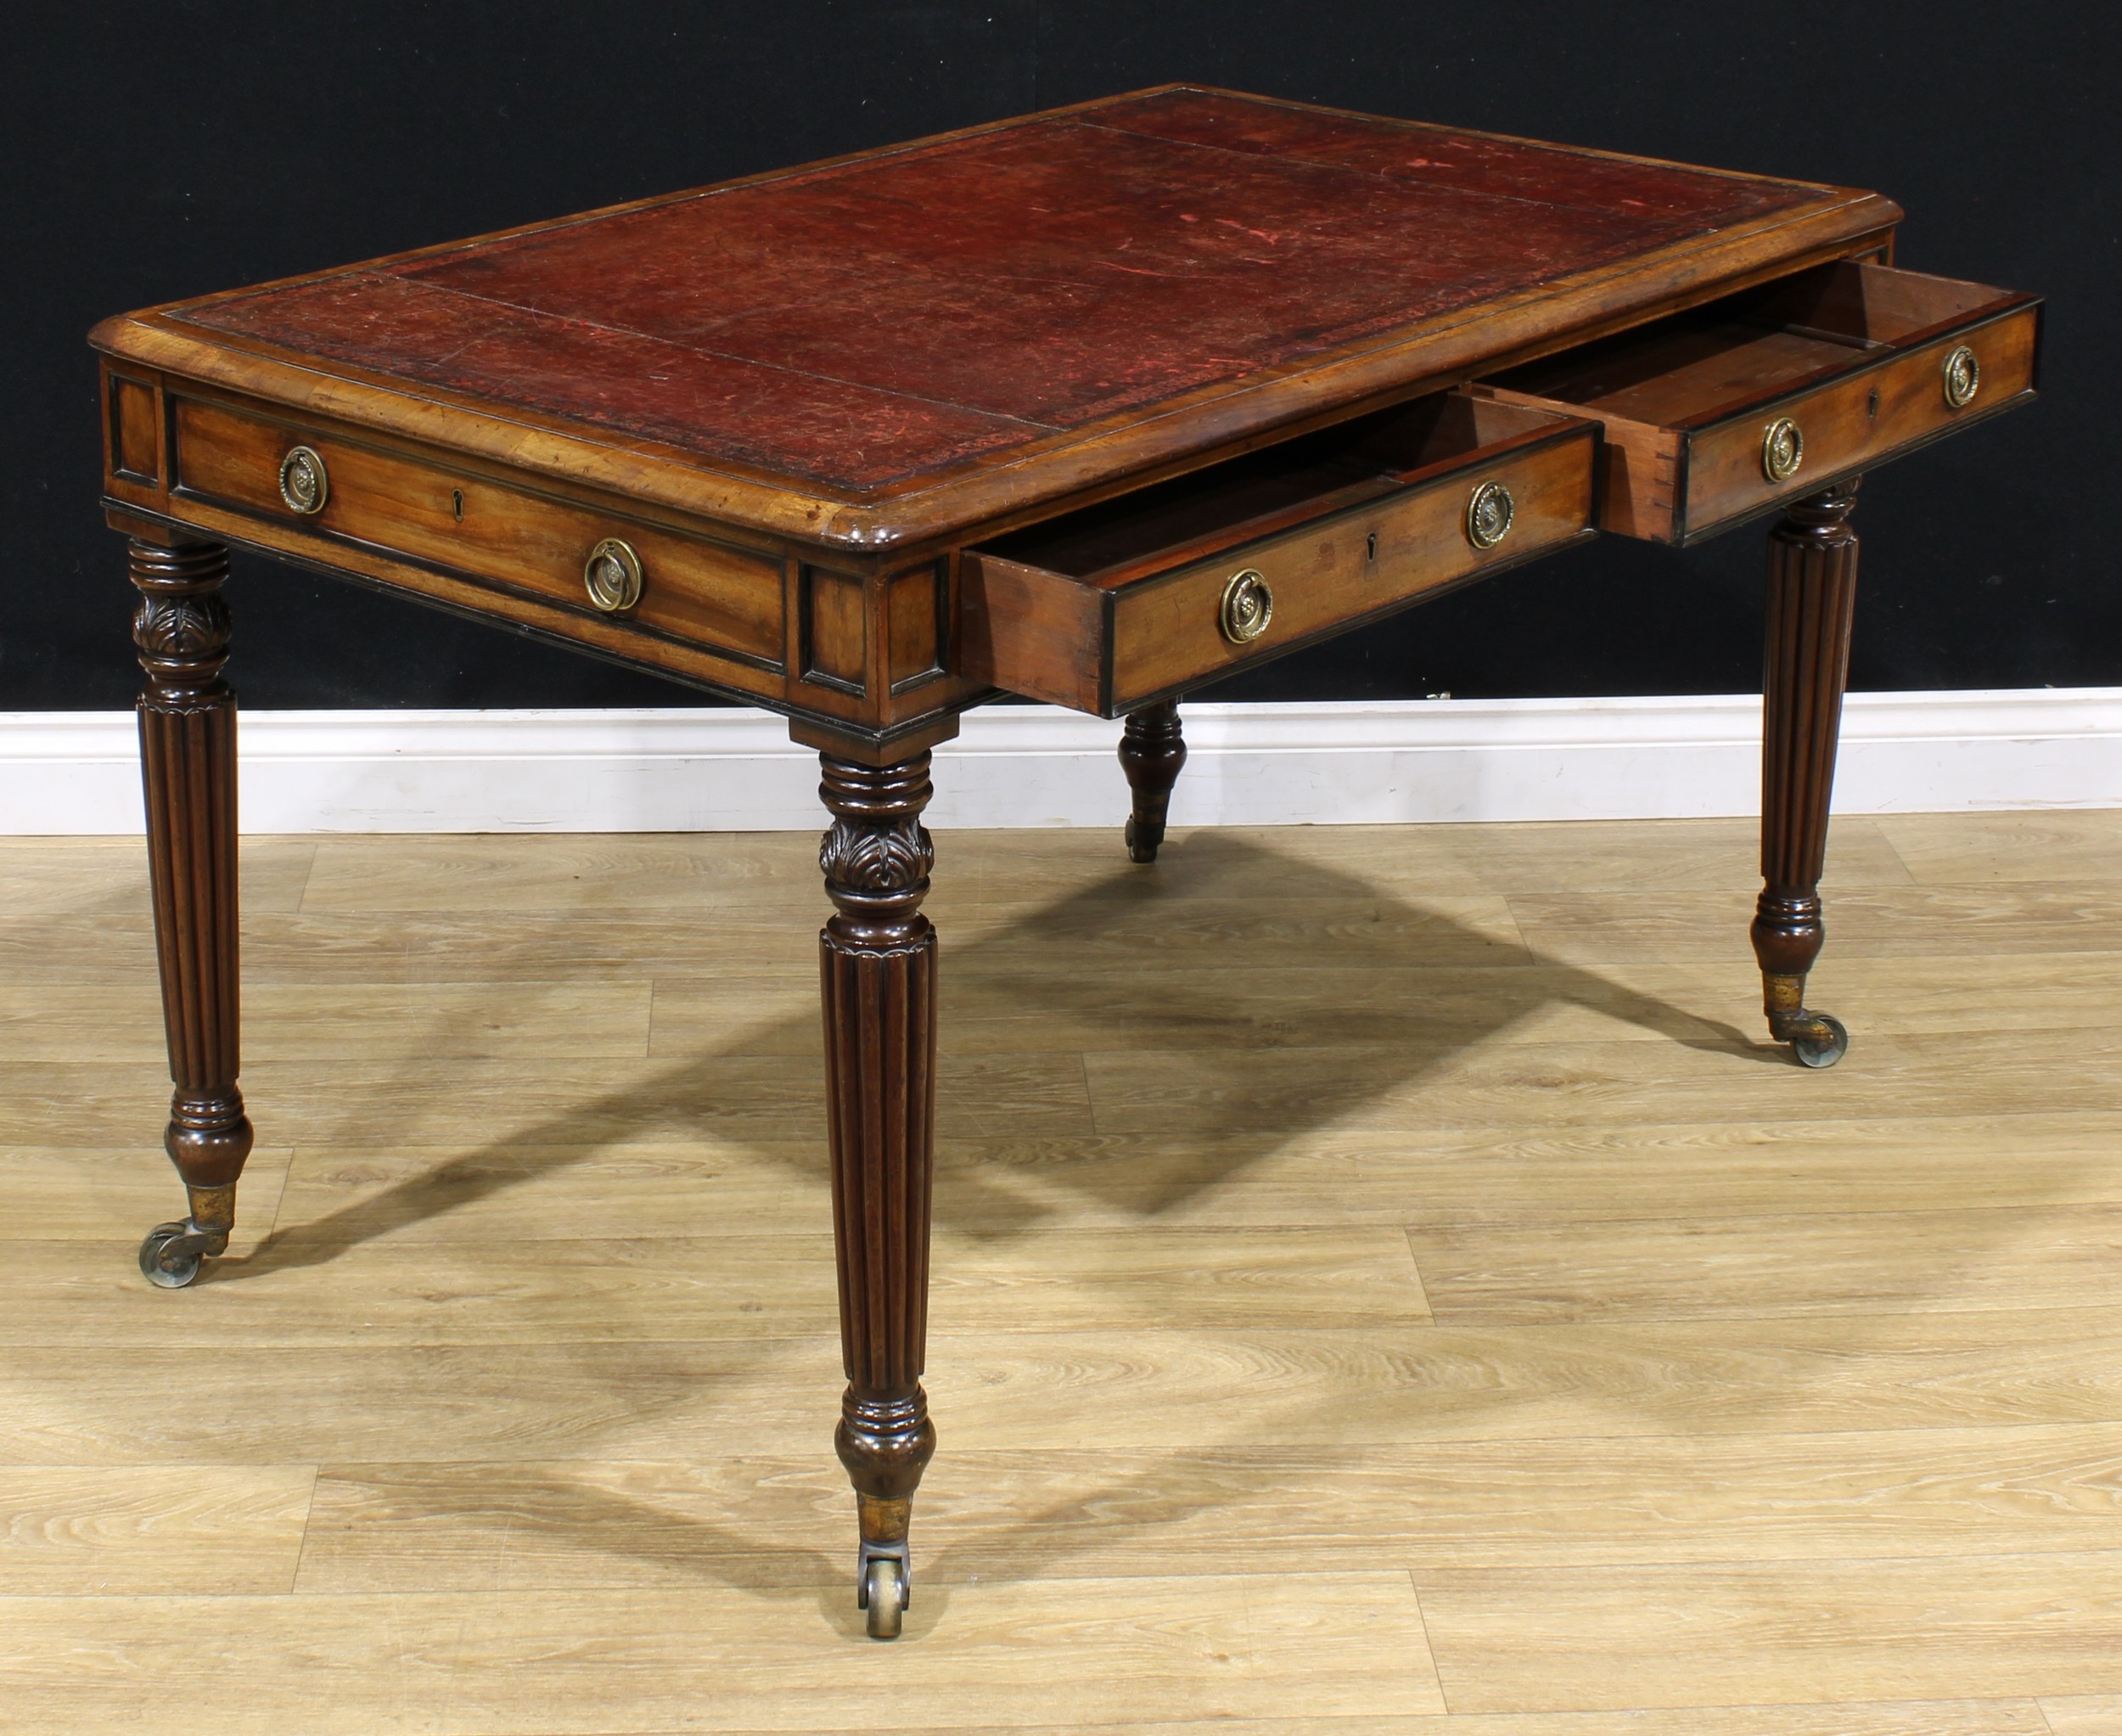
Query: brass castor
1821, 1042
1817, 1039
884, 1593
171, 1255
1143, 839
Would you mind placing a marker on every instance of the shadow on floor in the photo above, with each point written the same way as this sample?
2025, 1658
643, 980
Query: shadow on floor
1291, 995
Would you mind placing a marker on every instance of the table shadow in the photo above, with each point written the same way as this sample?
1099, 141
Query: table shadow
1229, 958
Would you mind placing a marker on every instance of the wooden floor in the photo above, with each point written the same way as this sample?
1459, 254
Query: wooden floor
1385, 1284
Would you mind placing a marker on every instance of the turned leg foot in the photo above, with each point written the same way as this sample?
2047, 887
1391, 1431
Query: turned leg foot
188, 762
878, 956
1812, 562
1151, 750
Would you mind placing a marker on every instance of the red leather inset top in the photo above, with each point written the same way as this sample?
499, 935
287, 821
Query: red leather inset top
862, 323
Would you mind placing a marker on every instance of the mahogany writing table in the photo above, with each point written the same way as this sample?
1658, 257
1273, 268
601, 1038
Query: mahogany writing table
1094, 407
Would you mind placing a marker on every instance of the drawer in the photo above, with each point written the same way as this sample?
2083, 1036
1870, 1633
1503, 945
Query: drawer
1138, 597
729, 600
1719, 413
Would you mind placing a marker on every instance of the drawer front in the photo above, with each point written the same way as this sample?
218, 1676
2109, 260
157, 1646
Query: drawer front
1881, 408
1170, 630
728, 600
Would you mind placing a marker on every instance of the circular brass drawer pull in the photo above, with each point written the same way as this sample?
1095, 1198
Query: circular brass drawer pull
1489, 513
1247, 606
1782, 450
612, 576
303, 484
1963, 376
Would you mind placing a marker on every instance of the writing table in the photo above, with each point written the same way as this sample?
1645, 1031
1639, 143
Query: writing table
1093, 405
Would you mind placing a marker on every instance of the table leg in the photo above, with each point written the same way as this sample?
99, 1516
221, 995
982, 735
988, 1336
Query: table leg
877, 958
1812, 564
1151, 752
188, 761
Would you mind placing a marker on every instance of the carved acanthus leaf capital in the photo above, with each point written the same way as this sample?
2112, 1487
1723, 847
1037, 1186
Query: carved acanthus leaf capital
189, 627
866, 857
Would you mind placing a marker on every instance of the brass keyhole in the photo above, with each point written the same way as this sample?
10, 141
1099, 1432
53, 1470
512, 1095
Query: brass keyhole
1871, 405
457, 504
1370, 547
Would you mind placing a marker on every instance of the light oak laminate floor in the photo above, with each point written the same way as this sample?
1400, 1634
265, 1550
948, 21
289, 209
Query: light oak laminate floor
1385, 1285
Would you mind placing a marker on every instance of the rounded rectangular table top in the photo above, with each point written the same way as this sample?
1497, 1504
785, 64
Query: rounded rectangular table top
871, 349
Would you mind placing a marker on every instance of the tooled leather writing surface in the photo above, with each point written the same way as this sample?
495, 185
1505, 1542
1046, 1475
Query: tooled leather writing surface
867, 322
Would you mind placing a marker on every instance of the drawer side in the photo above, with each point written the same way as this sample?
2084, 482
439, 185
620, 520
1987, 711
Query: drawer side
1032, 632
1642, 469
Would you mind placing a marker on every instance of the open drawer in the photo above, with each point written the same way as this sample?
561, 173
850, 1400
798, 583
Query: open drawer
1719, 413
1134, 599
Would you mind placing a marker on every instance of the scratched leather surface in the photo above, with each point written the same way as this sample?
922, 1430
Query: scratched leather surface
863, 324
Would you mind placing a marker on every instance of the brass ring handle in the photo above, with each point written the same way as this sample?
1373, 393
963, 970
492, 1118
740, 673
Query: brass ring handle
613, 576
1782, 450
304, 484
1247, 606
1962, 377
1489, 513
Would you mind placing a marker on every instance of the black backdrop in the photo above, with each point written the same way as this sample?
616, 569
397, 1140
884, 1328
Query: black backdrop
161, 150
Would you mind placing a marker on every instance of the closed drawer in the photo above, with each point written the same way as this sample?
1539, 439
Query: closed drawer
728, 600
1717, 414
1107, 608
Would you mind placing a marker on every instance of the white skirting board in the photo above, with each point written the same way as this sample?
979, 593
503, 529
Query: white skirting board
683, 769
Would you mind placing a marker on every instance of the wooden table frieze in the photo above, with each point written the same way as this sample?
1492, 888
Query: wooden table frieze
1094, 407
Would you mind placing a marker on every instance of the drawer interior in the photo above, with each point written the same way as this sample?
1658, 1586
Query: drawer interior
1338, 469
1699, 366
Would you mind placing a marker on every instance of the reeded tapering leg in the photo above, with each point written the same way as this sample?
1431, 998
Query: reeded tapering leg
1151, 752
1812, 564
188, 762
877, 958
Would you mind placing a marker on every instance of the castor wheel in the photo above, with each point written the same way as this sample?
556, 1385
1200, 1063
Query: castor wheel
170, 1255
1822, 1046
1143, 840
885, 1595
